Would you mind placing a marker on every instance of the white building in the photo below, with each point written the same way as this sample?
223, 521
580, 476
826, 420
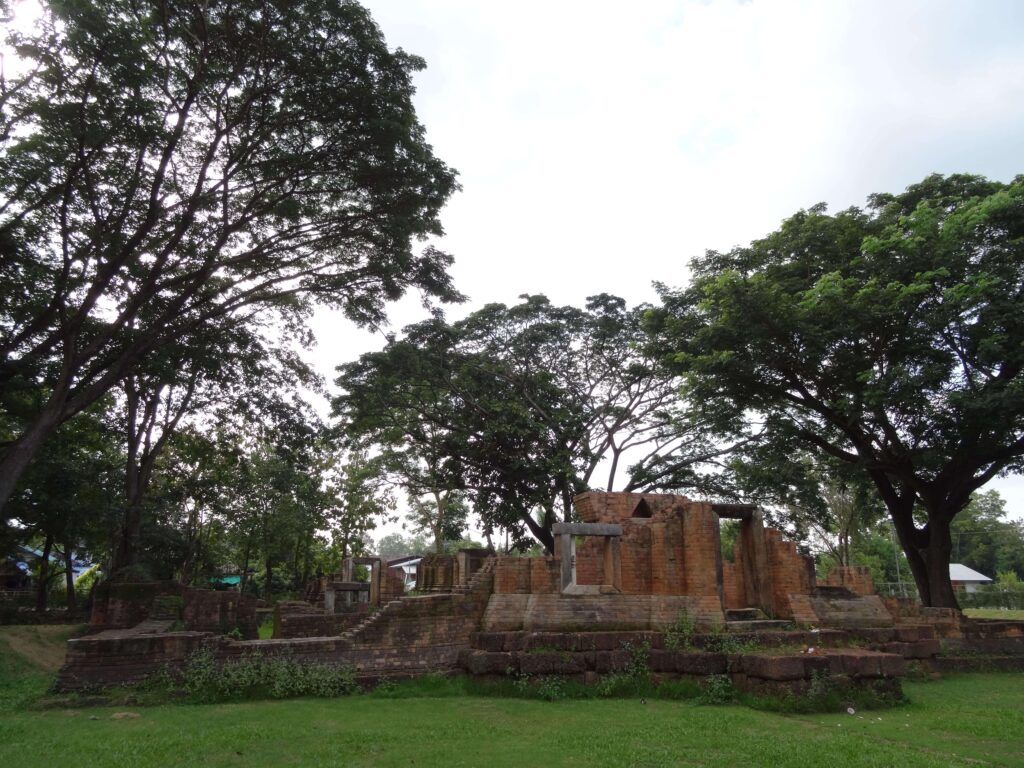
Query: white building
969, 579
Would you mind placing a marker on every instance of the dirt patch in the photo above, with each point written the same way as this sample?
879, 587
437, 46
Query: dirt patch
40, 645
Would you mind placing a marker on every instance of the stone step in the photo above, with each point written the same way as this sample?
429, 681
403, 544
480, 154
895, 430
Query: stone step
757, 625
745, 614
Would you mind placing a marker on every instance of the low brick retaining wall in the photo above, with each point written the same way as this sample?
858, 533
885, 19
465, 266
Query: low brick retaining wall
413, 635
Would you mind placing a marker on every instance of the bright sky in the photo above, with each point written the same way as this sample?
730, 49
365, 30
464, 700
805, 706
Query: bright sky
601, 148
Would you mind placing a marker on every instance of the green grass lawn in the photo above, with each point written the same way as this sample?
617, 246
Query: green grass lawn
963, 720
968, 720
994, 613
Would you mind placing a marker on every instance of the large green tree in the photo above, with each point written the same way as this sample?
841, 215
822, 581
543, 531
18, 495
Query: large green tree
522, 407
164, 165
890, 338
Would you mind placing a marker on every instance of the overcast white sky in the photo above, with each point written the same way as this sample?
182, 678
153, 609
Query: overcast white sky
601, 146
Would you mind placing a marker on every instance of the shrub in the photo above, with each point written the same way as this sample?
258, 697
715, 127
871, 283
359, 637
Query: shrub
680, 634
717, 689
257, 676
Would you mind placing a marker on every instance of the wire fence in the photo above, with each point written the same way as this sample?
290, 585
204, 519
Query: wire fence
1009, 596
897, 589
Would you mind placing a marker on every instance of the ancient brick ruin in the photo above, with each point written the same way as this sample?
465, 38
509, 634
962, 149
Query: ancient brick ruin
626, 575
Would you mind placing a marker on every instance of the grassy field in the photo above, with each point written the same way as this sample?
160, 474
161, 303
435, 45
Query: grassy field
994, 613
965, 720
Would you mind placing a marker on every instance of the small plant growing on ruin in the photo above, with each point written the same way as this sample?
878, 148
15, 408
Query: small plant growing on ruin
551, 688
721, 640
679, 635
234, 634
717, 689
820, 687
255, 676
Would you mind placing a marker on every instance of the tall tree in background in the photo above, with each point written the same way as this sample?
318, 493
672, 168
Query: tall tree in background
229, 372
890, 339
70, 498
824, 502
519, 407
164, 165
985, 539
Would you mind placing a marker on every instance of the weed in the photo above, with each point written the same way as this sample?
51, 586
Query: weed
721, 641
255, 676
717, 689
551, 688
680, 634
638, 668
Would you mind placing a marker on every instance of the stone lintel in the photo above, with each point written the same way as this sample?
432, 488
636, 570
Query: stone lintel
734, 511
349, 586
587, 529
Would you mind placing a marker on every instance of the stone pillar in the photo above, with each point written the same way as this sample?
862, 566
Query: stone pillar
567, 552
702, 555
329, 598
612, 563
753, 562
375, 577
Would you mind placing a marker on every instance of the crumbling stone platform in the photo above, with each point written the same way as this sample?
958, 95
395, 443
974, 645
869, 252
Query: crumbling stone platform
623, 582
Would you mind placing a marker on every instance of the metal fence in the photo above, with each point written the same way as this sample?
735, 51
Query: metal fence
990, 596
896, 589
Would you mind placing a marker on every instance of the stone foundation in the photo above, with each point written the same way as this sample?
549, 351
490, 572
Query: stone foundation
638, 566
127, 604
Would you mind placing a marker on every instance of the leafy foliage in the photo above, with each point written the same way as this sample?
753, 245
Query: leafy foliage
165, 166
515, 408
888, 339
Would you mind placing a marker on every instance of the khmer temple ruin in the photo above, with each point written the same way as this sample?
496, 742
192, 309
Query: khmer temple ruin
625, 576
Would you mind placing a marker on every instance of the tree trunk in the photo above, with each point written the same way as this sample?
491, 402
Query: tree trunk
18, 455
44, 575
245, 572
928, 554
936, 560
270, 581
540, 532
69, 577
927, 549
438, 524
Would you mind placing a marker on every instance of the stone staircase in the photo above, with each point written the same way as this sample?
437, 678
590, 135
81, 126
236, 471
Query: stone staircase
390, 609
477, 578
314, 592
372, 619
751, 620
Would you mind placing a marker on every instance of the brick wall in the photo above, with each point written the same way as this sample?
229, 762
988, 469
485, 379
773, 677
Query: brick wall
207, 610
407, 636
791, 573
437, 573
856, 578
574, 613
512, 575
299, 619
732, 585
841, 608
599, 507
123, 605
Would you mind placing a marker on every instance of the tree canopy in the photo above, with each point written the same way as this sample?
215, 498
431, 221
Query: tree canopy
519, 407
890, 338
166, 165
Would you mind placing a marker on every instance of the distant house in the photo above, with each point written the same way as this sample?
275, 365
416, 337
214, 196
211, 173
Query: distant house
16, 568
226, 582
407, 567
966, 578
